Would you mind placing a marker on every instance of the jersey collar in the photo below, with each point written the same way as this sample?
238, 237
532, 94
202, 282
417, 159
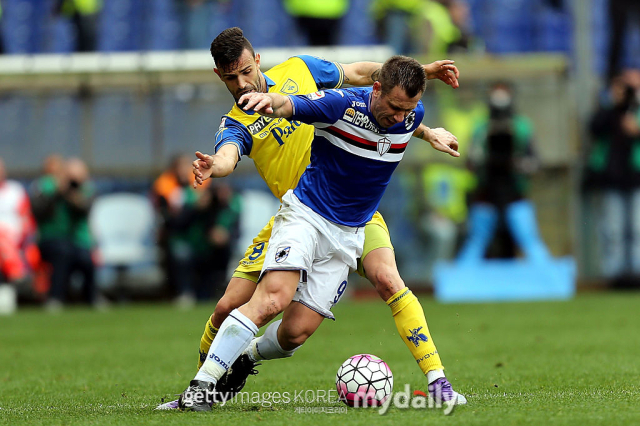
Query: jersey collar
270, 83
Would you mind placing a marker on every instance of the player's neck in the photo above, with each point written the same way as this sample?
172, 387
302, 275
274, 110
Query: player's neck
263, 83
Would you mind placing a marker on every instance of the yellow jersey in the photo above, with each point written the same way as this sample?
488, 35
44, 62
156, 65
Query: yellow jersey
280, 149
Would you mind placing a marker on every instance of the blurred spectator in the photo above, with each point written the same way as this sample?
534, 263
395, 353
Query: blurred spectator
224, 231
319, 20
613, 171
195, 19
18, 255
397, 23
444, 210
444, 27
215, 224
61, 200
83, 14
621, 14
502, 157
422, 26
186, 216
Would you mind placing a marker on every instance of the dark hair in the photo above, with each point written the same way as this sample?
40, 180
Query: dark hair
404, 72
227, 48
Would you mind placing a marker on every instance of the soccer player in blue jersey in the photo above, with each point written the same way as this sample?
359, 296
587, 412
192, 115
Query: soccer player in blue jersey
280, 151
361, 135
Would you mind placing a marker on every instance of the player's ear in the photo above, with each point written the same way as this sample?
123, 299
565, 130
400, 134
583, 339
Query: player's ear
217, 72
258, 60
377, 88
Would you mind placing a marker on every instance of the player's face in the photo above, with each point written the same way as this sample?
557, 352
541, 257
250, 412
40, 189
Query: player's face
243, 76
393, 107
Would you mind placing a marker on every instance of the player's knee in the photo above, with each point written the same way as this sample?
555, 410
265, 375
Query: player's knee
386, 280
222, 310
292, 339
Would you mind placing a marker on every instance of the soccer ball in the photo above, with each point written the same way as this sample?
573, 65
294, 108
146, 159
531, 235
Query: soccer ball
364, 381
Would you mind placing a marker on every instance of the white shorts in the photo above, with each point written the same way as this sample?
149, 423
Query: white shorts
323, 251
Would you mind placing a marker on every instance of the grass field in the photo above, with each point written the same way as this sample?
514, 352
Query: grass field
572, 363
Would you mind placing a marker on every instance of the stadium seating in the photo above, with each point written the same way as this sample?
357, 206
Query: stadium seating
504, 26
124, 228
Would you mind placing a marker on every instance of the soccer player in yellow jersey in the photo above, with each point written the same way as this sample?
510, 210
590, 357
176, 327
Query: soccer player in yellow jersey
281, 150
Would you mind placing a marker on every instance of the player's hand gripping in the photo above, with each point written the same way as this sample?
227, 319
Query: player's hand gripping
202, 168
443, 70
261, 103
443, 140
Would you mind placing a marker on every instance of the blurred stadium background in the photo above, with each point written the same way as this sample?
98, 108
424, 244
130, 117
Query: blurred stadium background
148, 93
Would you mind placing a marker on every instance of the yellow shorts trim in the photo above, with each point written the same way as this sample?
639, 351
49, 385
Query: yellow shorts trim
376, 235
252, 276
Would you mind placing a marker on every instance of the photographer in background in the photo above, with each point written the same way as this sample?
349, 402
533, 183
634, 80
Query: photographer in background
61, 201
502, 157
613, 173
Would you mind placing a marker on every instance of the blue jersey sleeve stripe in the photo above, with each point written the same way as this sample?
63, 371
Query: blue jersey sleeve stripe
327, 75
236, 133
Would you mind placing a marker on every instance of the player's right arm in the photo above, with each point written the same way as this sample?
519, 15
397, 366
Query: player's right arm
220, 164
232, 141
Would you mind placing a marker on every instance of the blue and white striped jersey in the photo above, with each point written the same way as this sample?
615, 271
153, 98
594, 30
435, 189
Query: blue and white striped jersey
352, 157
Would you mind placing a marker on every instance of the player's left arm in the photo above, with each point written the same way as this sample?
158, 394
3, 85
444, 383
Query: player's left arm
366, 73
439, 138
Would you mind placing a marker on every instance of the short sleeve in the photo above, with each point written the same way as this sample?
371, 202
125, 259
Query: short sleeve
232, 132
326, 106
326, 74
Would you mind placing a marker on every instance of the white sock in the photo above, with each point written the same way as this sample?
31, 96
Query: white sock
434, 375
232, 338
267, 345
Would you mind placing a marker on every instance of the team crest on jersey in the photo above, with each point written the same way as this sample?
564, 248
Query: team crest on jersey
349, 115
289, 87
282, 253
411, 118
315, 95
383, 145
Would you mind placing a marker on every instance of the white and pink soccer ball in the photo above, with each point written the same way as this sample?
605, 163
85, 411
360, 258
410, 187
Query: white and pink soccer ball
364, 381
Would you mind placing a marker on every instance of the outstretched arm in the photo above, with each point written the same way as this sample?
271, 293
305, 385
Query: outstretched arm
439, 138
366, 73
269, 104
218, 165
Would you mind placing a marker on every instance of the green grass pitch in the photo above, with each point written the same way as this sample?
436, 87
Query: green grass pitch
567, 363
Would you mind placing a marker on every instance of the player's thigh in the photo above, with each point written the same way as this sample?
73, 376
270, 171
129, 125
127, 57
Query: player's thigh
251, 264
298, 323
325, 285
376, 235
